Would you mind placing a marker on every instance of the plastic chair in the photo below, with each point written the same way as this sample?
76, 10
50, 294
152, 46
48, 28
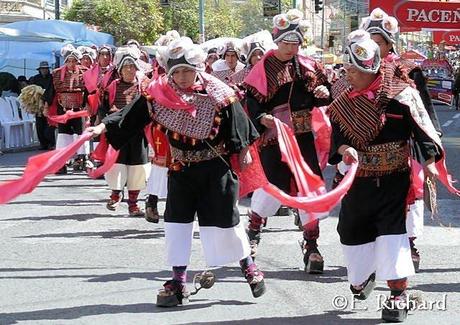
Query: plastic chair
12, 129
29, 119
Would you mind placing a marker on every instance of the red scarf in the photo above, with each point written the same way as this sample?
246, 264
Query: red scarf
370, 92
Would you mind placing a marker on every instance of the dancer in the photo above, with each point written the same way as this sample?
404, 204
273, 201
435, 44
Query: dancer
67, 93
201, 180
373, 123
132, 166
291, 86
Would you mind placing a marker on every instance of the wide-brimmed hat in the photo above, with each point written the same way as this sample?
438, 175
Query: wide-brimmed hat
43, 65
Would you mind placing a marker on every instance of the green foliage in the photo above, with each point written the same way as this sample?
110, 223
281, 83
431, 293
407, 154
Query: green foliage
251, 13
182, 15
144, 20
221, 18
124, 19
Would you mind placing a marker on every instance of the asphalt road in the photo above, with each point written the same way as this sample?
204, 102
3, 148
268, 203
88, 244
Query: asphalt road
65, 259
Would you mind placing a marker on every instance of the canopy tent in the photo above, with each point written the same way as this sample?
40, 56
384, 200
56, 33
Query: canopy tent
11, 34
22, 51
70, 31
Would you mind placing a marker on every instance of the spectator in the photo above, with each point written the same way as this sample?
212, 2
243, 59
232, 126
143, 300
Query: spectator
12, 88
456, 89
45, 132
22, 82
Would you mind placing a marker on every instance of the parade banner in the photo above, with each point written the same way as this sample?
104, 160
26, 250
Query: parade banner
440, 81
421, 14
451, 37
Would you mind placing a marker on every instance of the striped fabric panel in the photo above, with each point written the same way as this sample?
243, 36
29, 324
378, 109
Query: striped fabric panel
361, 119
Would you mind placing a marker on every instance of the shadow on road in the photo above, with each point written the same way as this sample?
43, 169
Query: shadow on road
329, 317
73, 313
438, 287
114, 234
76, 217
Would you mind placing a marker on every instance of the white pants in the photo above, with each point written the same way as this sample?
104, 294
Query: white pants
133, 176
389, 256
265, 205
220, 245
414, 219
63, 140
158, 181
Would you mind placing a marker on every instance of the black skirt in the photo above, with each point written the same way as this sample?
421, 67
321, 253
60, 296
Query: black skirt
209, 189
374, 206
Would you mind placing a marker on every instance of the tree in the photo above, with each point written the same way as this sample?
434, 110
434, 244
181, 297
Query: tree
251, 13
124, 19
221, 18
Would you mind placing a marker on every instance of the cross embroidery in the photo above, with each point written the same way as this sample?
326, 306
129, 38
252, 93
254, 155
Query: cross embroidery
157, 144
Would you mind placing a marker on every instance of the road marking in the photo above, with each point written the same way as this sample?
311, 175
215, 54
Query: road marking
456, 115
447, 123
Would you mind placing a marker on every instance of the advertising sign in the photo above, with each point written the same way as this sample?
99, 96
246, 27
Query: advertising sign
421, 14
448, 37
440, 80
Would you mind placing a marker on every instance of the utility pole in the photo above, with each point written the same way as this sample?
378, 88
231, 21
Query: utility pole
57, 16
202, 35
57, 10
322, 24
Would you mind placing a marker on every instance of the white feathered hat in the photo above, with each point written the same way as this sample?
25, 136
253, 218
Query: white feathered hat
181, 53
88, 51
259, 41
380, 23
127, 55
362, 52
290, 27
68, 51
170, 36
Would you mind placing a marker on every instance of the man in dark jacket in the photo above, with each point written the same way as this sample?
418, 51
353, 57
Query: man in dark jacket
45, 132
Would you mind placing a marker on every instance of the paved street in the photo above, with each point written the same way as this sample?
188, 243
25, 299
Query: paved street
66, 259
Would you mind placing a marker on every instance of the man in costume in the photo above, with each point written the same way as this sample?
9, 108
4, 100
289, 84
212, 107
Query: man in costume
229, 63
205, 124
132, 166
383, 29
372, 123
67, 93
285, 85
45, 132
